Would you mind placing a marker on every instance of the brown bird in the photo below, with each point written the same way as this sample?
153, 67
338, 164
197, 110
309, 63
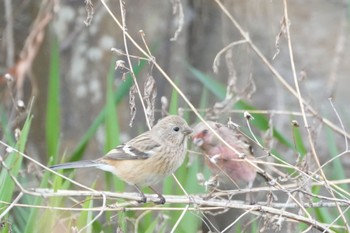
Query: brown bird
223, 162
146, 159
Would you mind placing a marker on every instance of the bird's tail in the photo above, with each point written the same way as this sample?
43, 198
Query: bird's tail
78, 164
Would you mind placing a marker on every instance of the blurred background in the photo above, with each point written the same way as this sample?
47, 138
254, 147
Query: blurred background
61, 66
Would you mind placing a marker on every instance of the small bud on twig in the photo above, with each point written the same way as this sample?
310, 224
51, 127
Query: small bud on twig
295, 123
248, 116
20, 105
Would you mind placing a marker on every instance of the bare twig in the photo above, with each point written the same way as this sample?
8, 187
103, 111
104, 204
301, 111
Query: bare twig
89, 7
200, 203
236, 220
44, 167
275, 72
216, 61
177, 8
341, 123
266, 112
124, 29
13, 203
301, 103
180, 218
283, 81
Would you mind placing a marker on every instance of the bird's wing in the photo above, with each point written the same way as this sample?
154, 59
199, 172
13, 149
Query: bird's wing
237, 139
141, 147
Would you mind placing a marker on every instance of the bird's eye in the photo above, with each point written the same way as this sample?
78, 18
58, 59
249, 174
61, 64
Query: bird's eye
176, 129
205, 132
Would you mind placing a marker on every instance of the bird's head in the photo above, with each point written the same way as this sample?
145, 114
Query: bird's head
172, 130
203, 137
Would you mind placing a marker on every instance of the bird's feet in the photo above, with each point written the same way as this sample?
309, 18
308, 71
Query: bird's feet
143, 199
161, 200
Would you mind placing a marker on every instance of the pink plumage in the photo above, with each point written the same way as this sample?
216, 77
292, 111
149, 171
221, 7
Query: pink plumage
227, 164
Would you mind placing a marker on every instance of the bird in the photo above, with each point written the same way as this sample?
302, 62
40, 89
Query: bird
225, 164
146, 159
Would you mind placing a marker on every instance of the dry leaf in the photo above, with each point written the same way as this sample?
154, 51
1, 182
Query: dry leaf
89, 7
132, 104
150, 93
283, 31
177, 8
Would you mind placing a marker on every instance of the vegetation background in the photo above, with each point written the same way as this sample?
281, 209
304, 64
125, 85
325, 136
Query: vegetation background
67, 68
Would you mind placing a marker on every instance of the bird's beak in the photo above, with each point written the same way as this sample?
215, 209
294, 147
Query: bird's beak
198, 141
187, 131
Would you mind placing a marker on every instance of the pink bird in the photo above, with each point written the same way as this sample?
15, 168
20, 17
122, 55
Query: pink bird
223, 162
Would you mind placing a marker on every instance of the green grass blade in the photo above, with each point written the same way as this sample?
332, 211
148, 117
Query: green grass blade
152, 227
336, 164
86, 217
119, 94
53, 104
204, 100
111, 117
8, 137
299, 142
13, 162
212, 85
112, 130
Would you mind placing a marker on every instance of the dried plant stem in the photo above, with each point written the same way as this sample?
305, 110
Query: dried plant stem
341, 124
224, 50
46, 168
275, 72
132, 204
180, 218
237, 219
285, 84
123, 27
11, 205
301, 103
260, 208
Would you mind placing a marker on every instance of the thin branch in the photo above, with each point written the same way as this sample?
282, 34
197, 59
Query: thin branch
216, 61
123, 27
197, 200
236, 220
104, 198
45, 167
180, 218
13, 203
301, 103
177, 8
265, 112
275, 72
341, 123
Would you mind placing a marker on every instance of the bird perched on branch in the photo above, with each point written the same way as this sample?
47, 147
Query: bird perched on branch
228, 165
146, 159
